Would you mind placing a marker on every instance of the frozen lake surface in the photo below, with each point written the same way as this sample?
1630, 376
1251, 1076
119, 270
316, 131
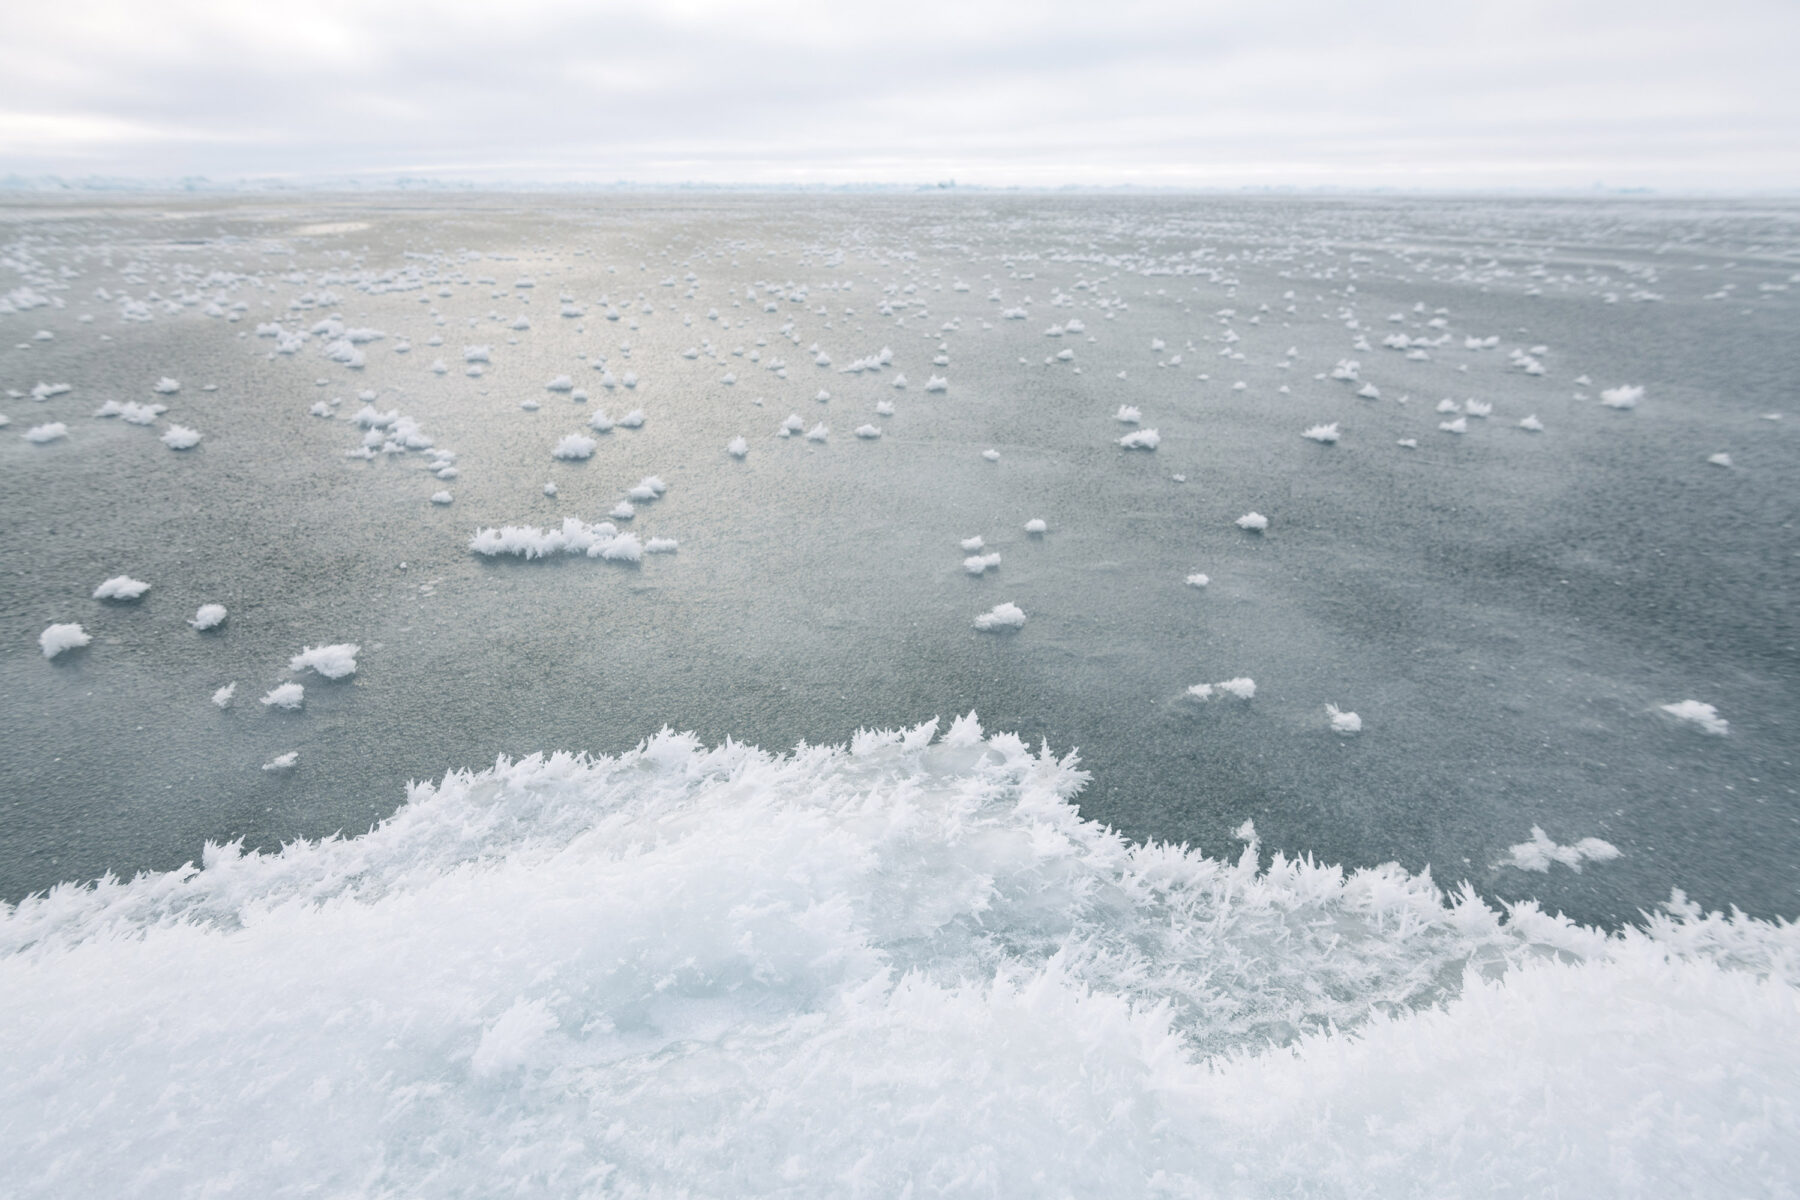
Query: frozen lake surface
1506, 610
1521, 610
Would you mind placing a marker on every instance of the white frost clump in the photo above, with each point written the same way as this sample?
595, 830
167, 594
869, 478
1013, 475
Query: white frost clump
441, 497
1001, 616
1531, 424
1323, 434
1198, 581
208, 616
991, 455
1036, 525
1540, 852
283, 762
1720, 459
37, 435
1704, 715
575, 446
633, 419
333, 662
599, 420
57, 638
868, 431
738, 448
934, 383
603, 541
650, 487
1141, 439
1369, 391
133, 413
1624, 396
1128, 415
1343, 722
972, 545
562, 383
166, 386
288, 695
550, 489
222, 697
660, 545
818, 433
1253, 522
180, 437
1460, 425
121, 587
884, 408
1243, 687
976, 564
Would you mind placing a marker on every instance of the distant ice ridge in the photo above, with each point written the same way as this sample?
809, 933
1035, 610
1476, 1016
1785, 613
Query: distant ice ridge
903, 962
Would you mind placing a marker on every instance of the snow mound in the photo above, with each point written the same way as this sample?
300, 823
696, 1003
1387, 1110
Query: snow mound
180, 437
1141, 439
1323, 434
1622, 397
38, 435
1343, 722
1252, 522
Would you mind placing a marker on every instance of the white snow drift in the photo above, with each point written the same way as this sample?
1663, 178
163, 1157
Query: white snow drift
905, 964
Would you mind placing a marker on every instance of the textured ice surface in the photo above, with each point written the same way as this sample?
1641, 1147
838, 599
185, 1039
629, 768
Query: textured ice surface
902, 965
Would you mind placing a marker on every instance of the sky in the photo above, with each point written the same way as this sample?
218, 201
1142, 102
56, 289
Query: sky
1287, 93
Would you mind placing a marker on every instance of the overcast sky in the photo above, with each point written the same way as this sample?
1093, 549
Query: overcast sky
1452, 94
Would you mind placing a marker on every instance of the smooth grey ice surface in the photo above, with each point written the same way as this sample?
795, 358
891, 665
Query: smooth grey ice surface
1507, 611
